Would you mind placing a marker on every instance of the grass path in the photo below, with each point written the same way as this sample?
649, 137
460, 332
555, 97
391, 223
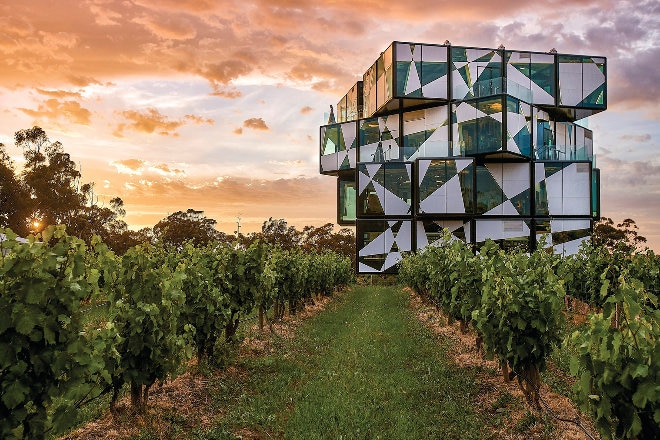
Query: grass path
364, 368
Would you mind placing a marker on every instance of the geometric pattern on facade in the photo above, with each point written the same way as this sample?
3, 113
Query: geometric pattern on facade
338, 147
483, 142
378, 139
445, 186
431, 232
384, 189
562, 188
382, 244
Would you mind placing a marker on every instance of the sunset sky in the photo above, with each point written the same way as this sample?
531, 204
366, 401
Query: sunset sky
216, 105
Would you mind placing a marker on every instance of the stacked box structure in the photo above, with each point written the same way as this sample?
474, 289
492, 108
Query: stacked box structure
483, 142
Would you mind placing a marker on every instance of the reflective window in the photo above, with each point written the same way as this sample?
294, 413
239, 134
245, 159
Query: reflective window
347, 199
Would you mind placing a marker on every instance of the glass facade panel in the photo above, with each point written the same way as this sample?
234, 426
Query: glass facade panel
379, 139
489, 192
445, 186
385, 189
426, 133
347, 200
501, 144
519, 127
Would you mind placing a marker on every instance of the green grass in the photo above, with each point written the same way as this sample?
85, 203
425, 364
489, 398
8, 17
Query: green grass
364, 368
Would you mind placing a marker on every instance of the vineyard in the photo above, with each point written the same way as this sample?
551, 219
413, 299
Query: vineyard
161, 305
80, 323
517, 305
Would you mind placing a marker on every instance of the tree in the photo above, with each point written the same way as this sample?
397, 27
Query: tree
51, 178
323, 238
181, 227
609, 235
14, 197
277, 232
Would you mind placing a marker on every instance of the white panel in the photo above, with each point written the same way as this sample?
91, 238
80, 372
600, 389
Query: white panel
495, 170
391, 259
465, 112
422, 241
467, 228
404, 236
403, 52
363, 268
515, 122
349, 132
375, 247
434, 53
569, 225
389, 238
516, 178
592, 79
436, 88
572, 247
539, 172
394, 205
367, 152
570, 83
454, 199
459, 88
422, 168
540, 96
372, 168
329, 162
554, 187
436, 202
509, 209
363, 181
462, 164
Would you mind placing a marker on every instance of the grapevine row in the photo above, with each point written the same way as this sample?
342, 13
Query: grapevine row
515, 301
164, 305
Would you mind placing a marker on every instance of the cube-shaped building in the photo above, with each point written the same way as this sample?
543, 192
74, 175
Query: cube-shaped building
483, 142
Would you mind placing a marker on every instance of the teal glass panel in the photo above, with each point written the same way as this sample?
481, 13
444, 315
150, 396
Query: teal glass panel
412, 142
402, 68
522, 202
595, 193
466, 178
458, 54
347, 201
333, 140
543, 74
432, 71
398, 182
595, 98
490, 134
369, 132
541, 195
489, 193
467, 137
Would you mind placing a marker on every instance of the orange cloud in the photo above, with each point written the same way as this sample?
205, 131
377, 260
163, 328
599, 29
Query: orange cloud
255, 124
306, 109
53, 109
238, 131
163, 168
152, 121
129, 166
167, 28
